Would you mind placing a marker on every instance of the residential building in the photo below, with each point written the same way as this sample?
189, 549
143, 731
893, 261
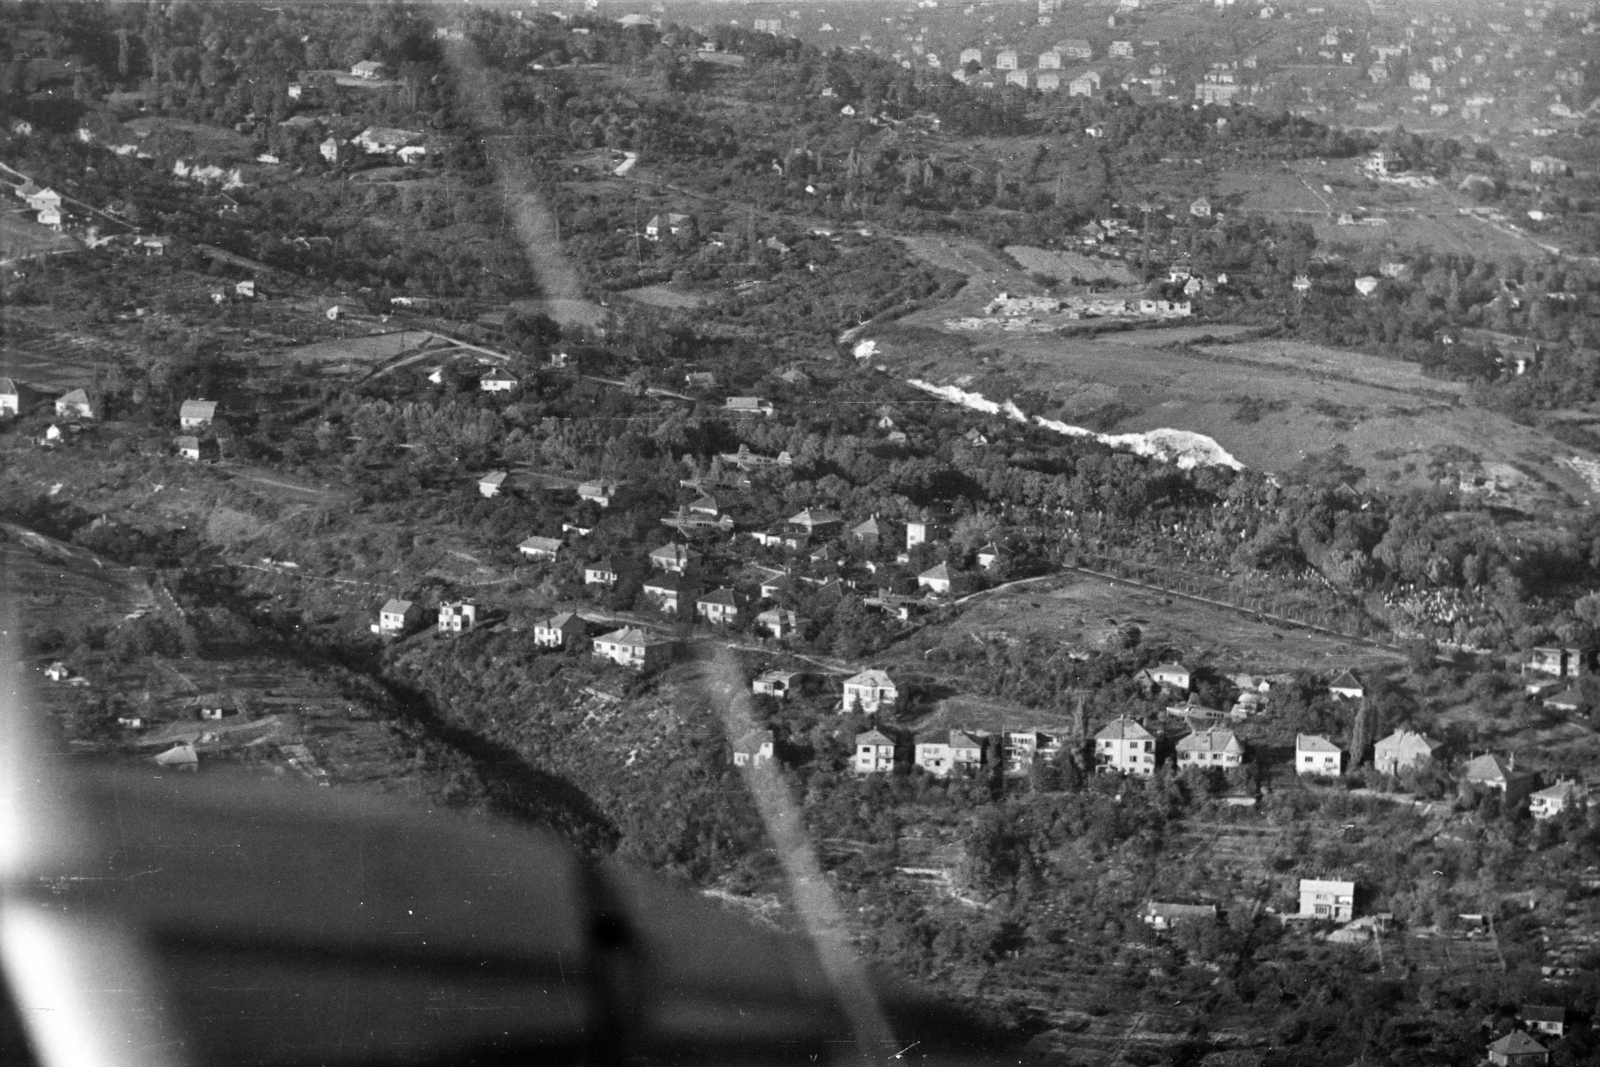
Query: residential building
490, 484
705, 505
1328, 898
988, 555
1122, 49
1216, 747
754, 749
1075, 48
670, 224
1006, 59
180, 757
497, 382
10, 397
1086, 84
196, 449
921, 533
77, 404
1168, 676
1571, 699
601, 493
1317, 756
777, 684
565, 630
1126, 747
600, 572
748, 405
1517, 1049
1049, 59
869, 692
336, 151
1558, 662
634, 647
816, 521
196, 414
457, 616
1403, 750
867, 532
1162, 916
545, 548
1347, 686
1550, 166
936, 579
1200, 208
1544, 1019
667, 592
1047, 81
971, 55
385, 140
397, 617
779, 623
874, 753
369, 70
674, 558
1500, 775
944, 753
1022, 747
720, 607
1548, 803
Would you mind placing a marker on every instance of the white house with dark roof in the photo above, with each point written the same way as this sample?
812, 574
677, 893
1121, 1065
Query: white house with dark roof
936, 579
666, 591
541, 547
874, 753
10, 397
77, 404
1347, 686
396, 618
601, 492
369, 70
633, 647
779, 623
748, 405
1216, 747
920, 532
1168, 675
1315, 755
196, 414
566, 630
1499, 774
988, 555
816, 521
1124, 745
705, 505
1544, 1019
778, 684
1403, 750
867, 532
457, 616
754, 749
1328, 898
497, 381
720, 607
1550, 802
490, 484
600, 572
1517, 1049
674, 558
944, 753
869, 692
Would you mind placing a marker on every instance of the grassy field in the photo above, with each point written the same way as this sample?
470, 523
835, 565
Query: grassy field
53, 584
1269, 403
665, 296
1066, 265
1084, 613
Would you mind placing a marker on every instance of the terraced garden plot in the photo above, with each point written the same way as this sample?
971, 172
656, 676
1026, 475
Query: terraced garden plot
21, 237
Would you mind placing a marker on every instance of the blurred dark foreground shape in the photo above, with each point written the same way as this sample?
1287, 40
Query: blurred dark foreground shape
221, 919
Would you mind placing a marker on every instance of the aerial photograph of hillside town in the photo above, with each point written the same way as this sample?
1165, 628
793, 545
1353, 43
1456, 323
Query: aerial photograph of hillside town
1053, 532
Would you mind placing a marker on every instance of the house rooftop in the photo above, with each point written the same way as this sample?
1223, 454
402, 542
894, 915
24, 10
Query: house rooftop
1123, 728
1517, 1043
1314, 743
874, 737
397, 607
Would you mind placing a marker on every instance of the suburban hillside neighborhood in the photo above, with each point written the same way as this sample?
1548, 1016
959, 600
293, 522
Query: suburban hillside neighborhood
1119, 478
